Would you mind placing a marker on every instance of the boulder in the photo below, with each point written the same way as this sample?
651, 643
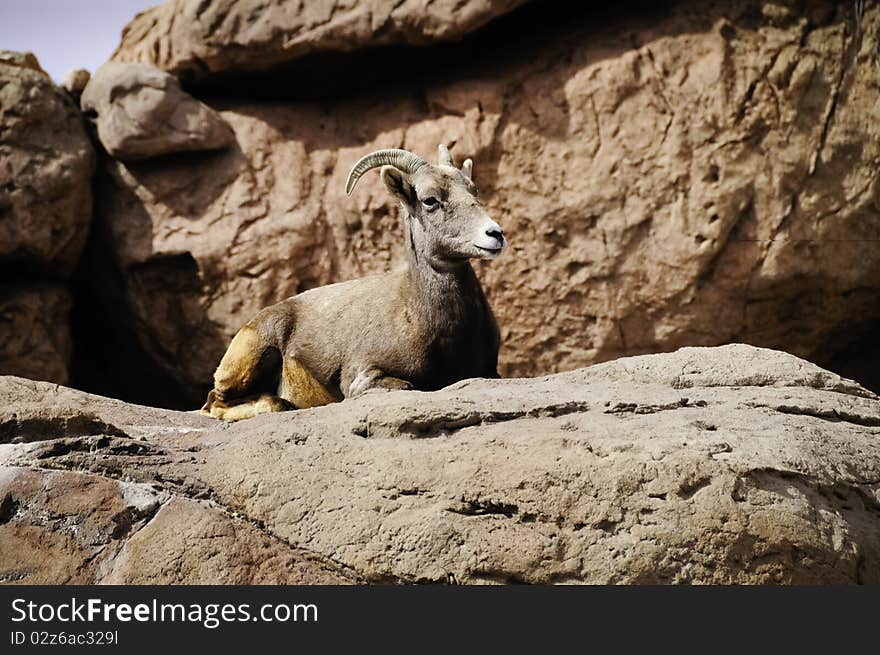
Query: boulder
75, 81
665, 179
54, 523
26, 60
129, 533
46, 166
726, 465
142, 112
220, 36
35, 340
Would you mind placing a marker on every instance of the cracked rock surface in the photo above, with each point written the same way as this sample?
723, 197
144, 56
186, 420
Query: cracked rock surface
197, 40
731, 464
46, 167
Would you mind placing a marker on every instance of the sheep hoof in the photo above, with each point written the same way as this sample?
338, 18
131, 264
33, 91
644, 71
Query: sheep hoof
245, 407
373, 380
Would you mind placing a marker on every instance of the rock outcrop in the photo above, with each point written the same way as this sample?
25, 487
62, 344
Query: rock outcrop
46, 167
35, 339
666, 179
75, 82
709, 465
26, 60
142, 112
195, 41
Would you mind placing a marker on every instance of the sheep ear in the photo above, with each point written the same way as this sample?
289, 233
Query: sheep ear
397, 182
467, 168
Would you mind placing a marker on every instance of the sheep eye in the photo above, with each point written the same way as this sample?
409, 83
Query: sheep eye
431, 203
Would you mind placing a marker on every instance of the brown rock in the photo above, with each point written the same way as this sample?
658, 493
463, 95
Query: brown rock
35, 332
75, 81
59, 527
708, 465
84, 528
192, 542
690, 178
46, 166
197, 40
25, 60
56, 527
142, 112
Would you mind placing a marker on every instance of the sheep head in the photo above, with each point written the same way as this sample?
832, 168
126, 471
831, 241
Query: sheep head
446, 222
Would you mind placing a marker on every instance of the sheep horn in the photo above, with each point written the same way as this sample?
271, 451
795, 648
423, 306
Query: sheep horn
400, 159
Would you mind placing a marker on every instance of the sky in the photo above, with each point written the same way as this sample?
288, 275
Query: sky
66, 34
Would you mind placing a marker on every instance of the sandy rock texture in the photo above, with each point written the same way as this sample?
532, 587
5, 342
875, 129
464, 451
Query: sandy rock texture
34, 331
731, 464
96, 525
666, 177
46, 167
197, 40
26, 60
141, 112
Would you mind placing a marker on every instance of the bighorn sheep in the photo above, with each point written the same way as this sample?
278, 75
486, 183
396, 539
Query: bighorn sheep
423, 327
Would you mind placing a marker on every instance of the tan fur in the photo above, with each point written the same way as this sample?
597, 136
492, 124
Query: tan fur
422, 327
235, 375
247, 407
240, 363
300, 387
297, 389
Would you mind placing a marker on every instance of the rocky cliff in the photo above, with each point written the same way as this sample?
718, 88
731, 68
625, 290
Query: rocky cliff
46, 166
709, 465
666, 177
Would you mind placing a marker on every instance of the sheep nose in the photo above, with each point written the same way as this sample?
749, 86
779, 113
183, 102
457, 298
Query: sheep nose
495, 233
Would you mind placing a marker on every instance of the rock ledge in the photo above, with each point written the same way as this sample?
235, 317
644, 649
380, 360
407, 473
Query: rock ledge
708, 465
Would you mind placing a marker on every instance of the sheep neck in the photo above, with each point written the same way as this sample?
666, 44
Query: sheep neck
447, 295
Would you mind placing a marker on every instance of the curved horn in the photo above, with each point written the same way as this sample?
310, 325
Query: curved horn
401, 159
444, 158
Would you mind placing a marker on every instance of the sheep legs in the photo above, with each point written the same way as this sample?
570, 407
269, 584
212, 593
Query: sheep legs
249, 366
374, 378
253, 379
302, 388
246, 407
